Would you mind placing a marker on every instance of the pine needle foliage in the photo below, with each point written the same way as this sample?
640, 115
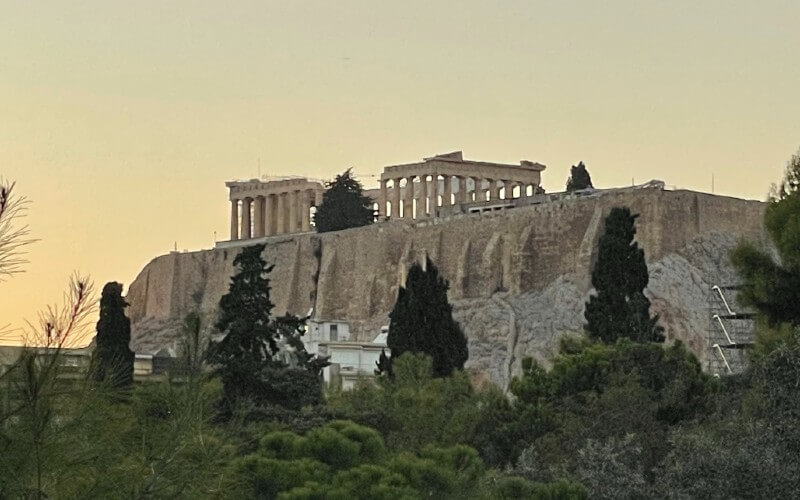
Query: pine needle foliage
619, 308
343, 205
14, 237
247, 357
422, 321
770, 285
244, 314
250, 338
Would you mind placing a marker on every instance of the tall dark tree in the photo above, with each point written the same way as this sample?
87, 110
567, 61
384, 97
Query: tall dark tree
579, 178
244, 316
384, 364
619, 307
247, 357
343, 205
772, 286
422, 321
113, 356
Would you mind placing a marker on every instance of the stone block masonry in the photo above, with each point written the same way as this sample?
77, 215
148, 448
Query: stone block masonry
533, 259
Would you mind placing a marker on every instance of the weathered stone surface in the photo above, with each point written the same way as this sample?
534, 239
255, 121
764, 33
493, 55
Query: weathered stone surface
519, 279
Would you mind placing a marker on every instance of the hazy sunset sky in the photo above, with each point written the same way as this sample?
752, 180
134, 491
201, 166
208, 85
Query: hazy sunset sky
121, 121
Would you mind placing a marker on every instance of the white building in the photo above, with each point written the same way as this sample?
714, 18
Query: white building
351, 361
325, 331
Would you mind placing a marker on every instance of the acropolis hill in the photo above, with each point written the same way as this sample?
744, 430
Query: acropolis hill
519, 272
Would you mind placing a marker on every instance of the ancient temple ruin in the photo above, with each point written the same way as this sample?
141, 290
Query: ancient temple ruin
262, 208
427, 189
419, 189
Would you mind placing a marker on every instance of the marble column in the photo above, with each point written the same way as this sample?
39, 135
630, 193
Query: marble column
234, 219
305, 215
269, 215
447, 195
462, 189
506, 190
382, 201
422, 201
258, 211
280, 214
408, 203
292, 212
494, 190
396, 199
484, 191
434, 194
246, 234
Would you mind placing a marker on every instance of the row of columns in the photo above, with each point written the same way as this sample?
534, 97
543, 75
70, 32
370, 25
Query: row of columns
429, 192
273, 214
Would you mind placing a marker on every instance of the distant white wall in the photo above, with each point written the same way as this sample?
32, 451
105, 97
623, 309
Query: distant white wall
350, 361
325, 331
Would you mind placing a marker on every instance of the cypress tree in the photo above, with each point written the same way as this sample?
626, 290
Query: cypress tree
384, 364
113, 356
343, 205
579, 178
245, 356
422, 321
619, 308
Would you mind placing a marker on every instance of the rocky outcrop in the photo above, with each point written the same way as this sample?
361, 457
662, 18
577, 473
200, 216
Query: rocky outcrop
519, 279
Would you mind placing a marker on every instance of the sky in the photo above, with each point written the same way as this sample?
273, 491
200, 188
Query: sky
121, 121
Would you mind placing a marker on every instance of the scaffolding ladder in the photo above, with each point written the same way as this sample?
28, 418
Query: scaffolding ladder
731, 332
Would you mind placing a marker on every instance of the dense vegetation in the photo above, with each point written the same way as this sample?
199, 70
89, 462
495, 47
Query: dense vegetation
611, 415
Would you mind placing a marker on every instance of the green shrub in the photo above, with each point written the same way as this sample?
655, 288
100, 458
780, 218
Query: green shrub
281, 444
254, 476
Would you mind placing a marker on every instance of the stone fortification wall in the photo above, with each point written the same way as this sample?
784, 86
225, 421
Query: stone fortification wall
518, 278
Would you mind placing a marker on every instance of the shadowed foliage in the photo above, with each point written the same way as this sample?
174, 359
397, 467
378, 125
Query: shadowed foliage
579, 178
113, 356
422, 321
772, 285
619, 308
250, 358
343, 205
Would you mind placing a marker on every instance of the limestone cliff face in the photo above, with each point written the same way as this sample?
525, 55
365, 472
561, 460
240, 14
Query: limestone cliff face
519, 279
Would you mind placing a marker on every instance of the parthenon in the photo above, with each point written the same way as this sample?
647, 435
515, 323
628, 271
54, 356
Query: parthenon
261, 208
443, 180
